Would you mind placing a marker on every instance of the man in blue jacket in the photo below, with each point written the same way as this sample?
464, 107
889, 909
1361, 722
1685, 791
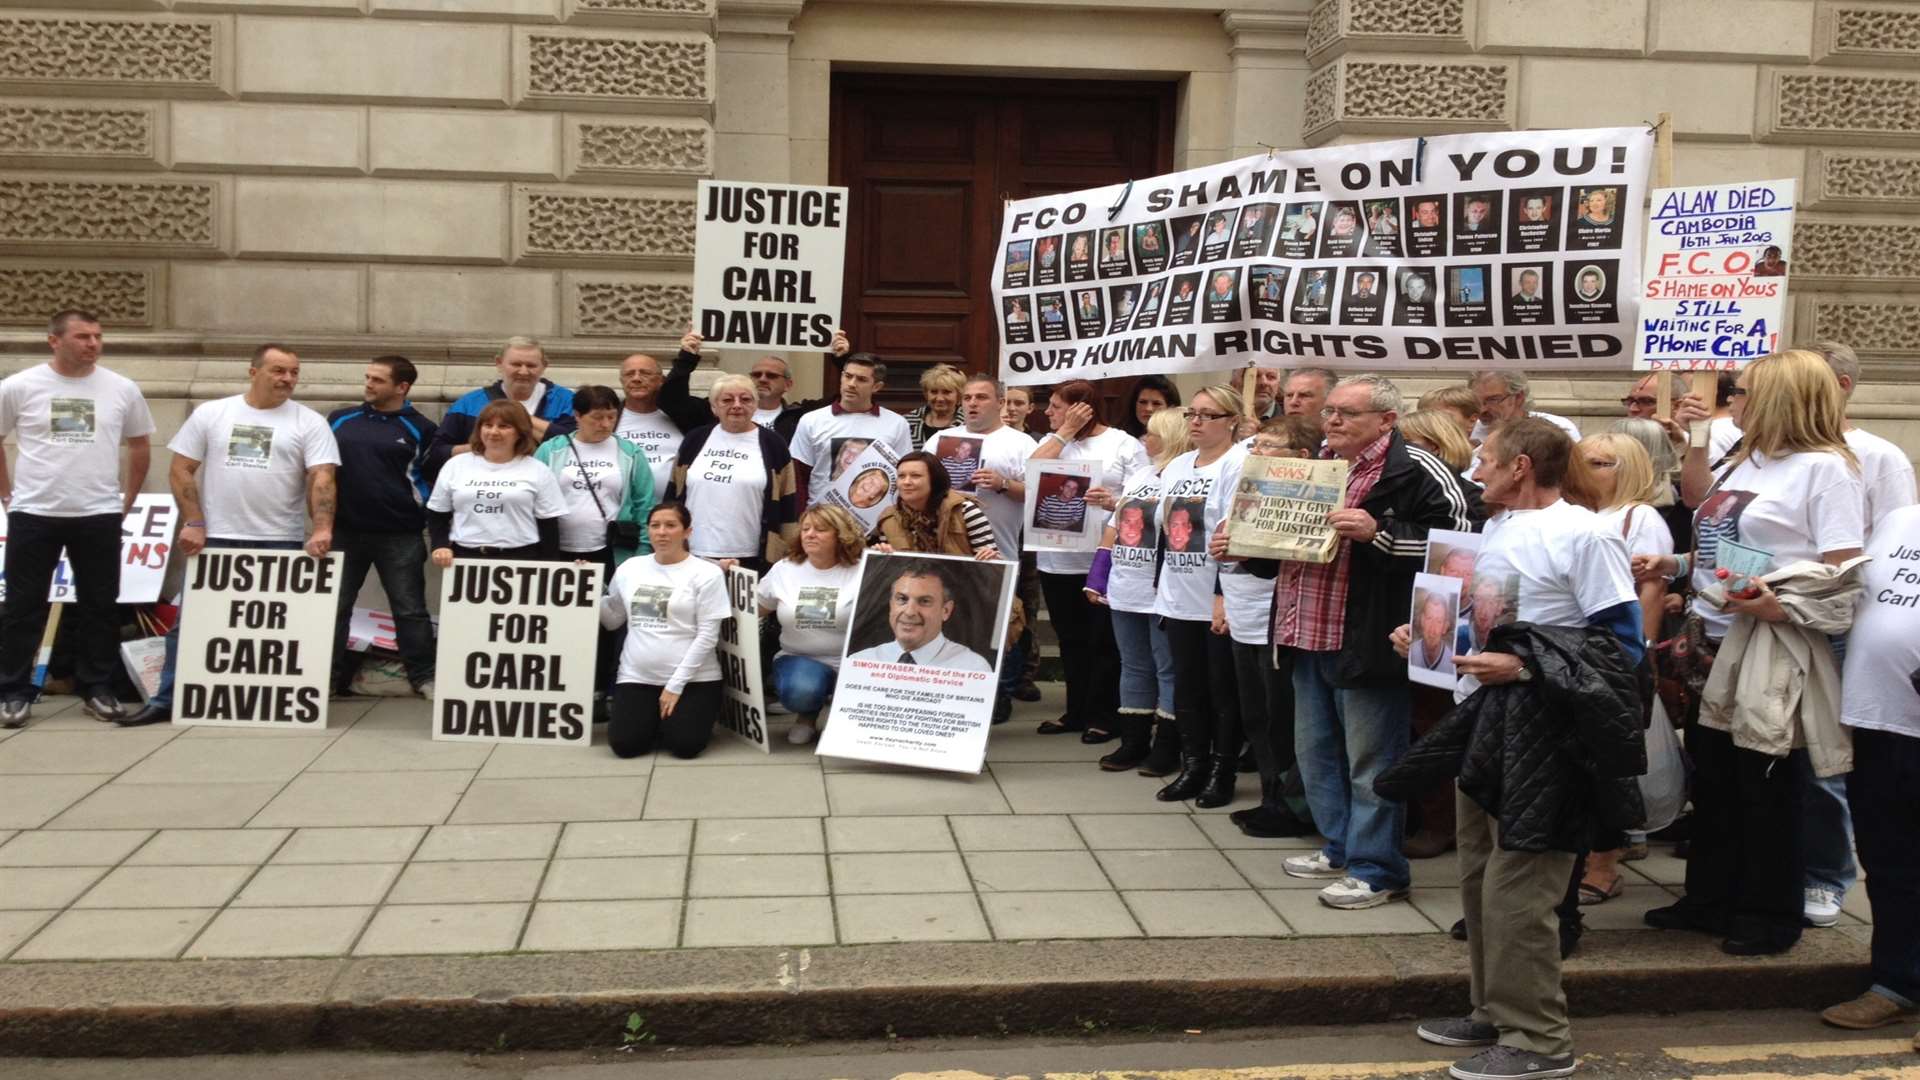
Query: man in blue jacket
522, 364
382, 482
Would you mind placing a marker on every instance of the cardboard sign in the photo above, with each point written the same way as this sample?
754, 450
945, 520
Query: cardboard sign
767, 263
146, 540
1716, 276
921, 664
1058, 516
516, 656
743, 701
1435, 619
145, 660
867, 487
1280, 508
1469, 250
256, 639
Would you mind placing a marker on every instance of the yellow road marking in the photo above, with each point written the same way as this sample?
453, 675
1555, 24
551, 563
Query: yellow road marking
1713, 1055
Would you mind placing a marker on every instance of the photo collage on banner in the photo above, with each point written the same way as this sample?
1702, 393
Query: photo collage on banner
1489, 248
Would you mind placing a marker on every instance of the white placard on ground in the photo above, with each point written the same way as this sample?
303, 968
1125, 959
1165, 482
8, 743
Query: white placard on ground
743, 701
256, 639
516, 656
767, 263
922, 660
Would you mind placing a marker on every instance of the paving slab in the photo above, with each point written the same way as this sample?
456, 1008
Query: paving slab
412, 929
1035, 871
898, 793
1134, 832
454, 843
620, 878
855, 834
88, 847
590, 925
911, 917
1305, 914
1204, 913
166, 887
325, 884
367, 798
209, 847
32, 801
224, 761
1170, 870
601, 839
582, 799
731, 922
468, 882
736, 791
353, 844
1023, 832
280, 932
116, 935
898, 872
103, 749
759, 836
1031, 916
758, 875
1075, 788
172, 806
46, 887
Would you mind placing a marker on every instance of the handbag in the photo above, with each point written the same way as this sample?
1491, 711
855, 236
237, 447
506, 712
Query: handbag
620, 534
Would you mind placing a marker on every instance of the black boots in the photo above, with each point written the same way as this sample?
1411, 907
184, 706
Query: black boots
1164, 757
1192, 778
1136, 735
1218, 789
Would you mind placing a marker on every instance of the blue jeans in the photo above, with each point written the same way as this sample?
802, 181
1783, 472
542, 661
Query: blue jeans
1345, 739
401, 561
1826, 833
1146, 664
802, 683
163, 698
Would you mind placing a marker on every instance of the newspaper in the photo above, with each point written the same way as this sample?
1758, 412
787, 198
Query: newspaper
1280, 509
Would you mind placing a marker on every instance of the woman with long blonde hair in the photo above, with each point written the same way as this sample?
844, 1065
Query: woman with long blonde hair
1124, 570
1791, 492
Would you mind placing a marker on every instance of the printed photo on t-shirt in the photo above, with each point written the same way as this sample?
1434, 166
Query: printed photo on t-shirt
249, 446
1135, 527
70, 420
1186, 526
814, 607
649, 604
1718, 519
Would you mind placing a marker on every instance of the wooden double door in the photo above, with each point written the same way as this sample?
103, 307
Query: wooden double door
930, 163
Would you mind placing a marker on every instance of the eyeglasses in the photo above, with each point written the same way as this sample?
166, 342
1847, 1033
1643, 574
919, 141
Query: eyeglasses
1739, 391
1495, 400
1347, 414
1196, 414
1643, 402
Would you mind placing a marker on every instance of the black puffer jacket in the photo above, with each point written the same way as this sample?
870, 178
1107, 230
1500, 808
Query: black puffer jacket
1554, 759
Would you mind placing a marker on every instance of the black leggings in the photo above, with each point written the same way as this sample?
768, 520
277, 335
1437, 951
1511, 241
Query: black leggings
637, 724
1206, 696
1087, 651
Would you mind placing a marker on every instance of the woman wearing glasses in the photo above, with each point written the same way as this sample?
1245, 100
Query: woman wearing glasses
1206, 702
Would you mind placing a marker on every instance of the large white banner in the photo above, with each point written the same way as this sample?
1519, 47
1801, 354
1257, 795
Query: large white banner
1504, 249
146, 539
1716, 276
767, 263
256, 639
743, 701
921, 664
515, 663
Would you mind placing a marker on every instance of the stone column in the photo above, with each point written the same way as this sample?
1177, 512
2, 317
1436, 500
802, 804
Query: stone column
1269, 77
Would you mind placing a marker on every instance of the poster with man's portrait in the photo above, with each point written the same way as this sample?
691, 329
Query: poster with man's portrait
1414, 297
921, 663
1476, 222
1434, 624
1046, 261
1019, 265
1151, 246
865, 486
1058, 516
1343, 234
1591, 288
1528, 297
1426, 226
1533, 222
1250, 239
1113, 254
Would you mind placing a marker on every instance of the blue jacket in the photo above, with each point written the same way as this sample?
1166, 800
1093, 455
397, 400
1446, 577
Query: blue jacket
456, 428
382, 474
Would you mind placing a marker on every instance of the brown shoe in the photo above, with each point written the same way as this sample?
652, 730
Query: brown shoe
1869, 1010
1426, 845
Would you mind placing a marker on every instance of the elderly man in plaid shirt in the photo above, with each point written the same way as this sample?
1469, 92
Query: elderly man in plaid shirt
1351, 705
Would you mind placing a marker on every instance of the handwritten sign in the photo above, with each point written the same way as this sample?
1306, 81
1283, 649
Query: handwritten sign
1716, 276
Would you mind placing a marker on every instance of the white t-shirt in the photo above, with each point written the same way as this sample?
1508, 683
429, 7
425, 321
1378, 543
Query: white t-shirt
1886, 473
813, 606
1121, 459
69, 431
673, 615
766, 417
820, 442
253, 465
1722, 433
498, 504
726, 487
1876, 689
1130, 585
1557, 566
1004, 451
657, 437
1187, 572
1249, 599
1647, 534
1794, 508
594, 473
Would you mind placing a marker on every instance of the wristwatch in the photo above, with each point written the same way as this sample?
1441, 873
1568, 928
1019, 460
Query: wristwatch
1526, 674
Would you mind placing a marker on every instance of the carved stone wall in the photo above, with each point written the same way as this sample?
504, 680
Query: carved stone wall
85, 53
609, 148
40, 133
558, 225
1878, 327
58, 214
1850, 178
1851, 108
1387, 24
613, 69
1859, 253
627, 305
124, 297
1883, 34
1364, 94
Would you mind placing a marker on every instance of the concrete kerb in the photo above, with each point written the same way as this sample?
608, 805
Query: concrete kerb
576, 1001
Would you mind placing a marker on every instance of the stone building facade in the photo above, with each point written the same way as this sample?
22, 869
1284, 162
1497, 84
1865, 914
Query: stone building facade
429, 176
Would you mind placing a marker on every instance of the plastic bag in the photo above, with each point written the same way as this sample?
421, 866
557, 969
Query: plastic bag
1664, 785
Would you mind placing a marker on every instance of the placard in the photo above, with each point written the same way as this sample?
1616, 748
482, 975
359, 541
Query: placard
1452, 553
1451, 251
1057, 515
256, 639
516, 656
146, 540
1435, 622
1716, 276
1280, 508
867, 487
146, 661
743, 702
921, 665
767, 263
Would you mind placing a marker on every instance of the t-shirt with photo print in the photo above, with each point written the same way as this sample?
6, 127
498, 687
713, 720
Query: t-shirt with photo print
69, 431
253, 465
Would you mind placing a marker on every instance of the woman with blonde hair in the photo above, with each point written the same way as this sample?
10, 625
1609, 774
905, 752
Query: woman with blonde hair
940, 385
1457, 403
1437, 431
1122, 580
1791, 493
810, 594
1620, 486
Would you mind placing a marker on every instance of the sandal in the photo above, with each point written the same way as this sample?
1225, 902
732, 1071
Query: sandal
1591, 894
1058, 727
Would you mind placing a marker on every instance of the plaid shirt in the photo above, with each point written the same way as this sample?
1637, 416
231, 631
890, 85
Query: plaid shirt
1310, 603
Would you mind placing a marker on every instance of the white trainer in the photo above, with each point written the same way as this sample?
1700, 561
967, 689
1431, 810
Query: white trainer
1352, 894
1314, 866
800, 734
1822, 906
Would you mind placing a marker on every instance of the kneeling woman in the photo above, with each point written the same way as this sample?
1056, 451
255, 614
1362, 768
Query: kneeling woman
672, 604
810, 593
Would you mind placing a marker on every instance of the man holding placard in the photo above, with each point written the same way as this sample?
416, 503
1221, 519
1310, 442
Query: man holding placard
823, 435
69, 416
248, 471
